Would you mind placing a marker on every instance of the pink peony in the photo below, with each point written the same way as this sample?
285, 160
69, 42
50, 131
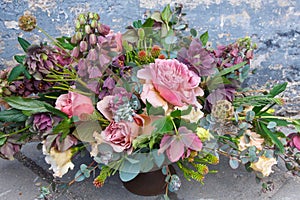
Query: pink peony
120, 135
74, 104
175, 145
172, 80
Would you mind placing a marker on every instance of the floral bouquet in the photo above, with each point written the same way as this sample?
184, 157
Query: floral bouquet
158, 94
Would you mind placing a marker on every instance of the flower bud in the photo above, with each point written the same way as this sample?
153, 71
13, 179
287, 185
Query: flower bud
75, 52
77, 25
94, 23
91, 15
96, 16
83, 46
87, 29
155, 51
142, 55
73, 40
93, 39
141, 34
78, 36
82, 19
103, 29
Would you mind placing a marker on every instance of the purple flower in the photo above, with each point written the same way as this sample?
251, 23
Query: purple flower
197, 58
8, 150
225, 92
42, 123
109, 83
294, 140
176, 145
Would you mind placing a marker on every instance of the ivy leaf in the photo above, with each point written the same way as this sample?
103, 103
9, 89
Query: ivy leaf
12, 115
153, 110
24, 43
163, 125
204, 38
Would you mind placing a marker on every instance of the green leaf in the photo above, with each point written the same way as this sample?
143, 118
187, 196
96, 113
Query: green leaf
24, 43
55, 111
12, 115
16, 72
2, 141
137, 24
273, 137
153, 110
277, 89
20, 58
231, 69
204, 38
163, 125
131, 36
63, 127
30, 106
193, 32
148, 23
85, 130
166, 14
65, 42
128, 171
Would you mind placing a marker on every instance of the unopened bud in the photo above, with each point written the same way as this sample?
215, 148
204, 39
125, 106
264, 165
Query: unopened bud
142, 55
87, 29
75, 52
94, 23
77, 25
82, 19
73, 40
103, 29
93, 39
96, 16
155, 51
141, 34
91, 15
78, 36
83, 46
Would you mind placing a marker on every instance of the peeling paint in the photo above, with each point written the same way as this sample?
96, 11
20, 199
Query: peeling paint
11, 25
45, 5
255, 4
242, 19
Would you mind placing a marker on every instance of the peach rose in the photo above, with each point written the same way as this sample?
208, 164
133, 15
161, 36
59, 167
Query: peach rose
74, 104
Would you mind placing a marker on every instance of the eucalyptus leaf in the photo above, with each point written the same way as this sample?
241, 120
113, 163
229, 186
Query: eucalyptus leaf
234, 163
79, 176
271, 125
84, 130
250, 116
128, 171
158, 158
193, 32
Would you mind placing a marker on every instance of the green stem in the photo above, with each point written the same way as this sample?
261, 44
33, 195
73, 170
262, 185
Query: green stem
16, 132
174, 125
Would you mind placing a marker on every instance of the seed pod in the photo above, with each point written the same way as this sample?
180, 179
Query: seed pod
94, 23
82, 19
78, 36
87, 29
27, 22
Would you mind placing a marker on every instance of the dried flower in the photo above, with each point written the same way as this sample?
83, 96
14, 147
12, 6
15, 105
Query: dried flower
27, 22
222, 110
264, 165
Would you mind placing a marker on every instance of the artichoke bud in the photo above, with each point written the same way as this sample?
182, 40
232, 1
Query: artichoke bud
94, 23
93, 39
78, 36
83, 46
87, 29
141, 33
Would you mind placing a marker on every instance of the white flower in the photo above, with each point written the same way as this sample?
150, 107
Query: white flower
60, 161
193, 116
255, 140
264, 165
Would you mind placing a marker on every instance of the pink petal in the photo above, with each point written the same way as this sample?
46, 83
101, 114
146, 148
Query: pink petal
103, 107
165, 143
144, 73
176, 150
296, 141
192, 141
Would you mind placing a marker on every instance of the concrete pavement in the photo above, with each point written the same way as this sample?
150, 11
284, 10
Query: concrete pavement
21, 183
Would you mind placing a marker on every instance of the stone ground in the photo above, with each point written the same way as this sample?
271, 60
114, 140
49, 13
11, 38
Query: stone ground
21, 183
272, 24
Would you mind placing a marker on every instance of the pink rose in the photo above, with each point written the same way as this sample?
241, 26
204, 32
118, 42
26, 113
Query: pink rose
173, 81
120, 135
74, 104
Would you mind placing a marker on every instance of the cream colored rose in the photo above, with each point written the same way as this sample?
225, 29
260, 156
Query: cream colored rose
60, 161
255, 140
264, 165
193, 116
